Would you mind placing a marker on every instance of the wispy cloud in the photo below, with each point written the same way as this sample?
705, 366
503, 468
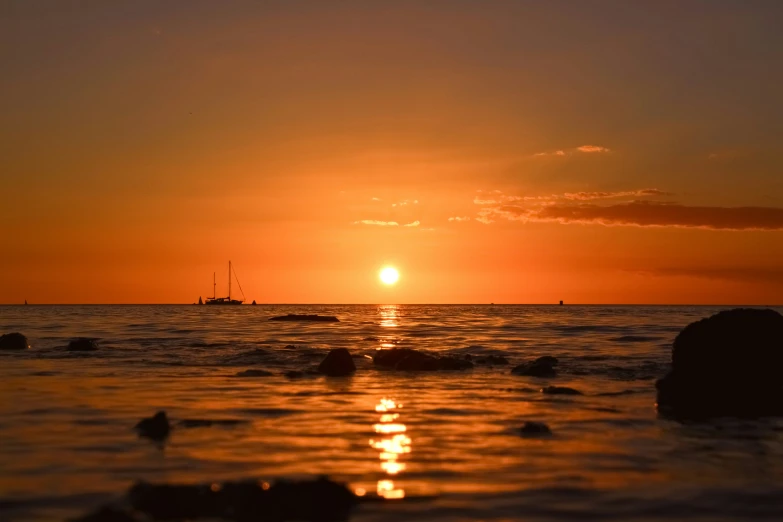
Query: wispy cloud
592, 148
586, 196
375, 222
745, 274
413, 224
406, 202
375, 199
588, 149
647, 214
458, 218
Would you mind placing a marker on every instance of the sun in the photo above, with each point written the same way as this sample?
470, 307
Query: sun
389, 275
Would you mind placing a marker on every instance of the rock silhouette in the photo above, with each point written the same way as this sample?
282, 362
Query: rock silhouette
534, 428
407, 359
726, 365
338, 363
254, 373
491, 360
318, 500
541, 367
156, 427
304, 317
560, 390
13, 341
82, 344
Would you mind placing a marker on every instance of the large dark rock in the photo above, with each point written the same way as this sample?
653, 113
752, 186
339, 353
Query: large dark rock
407, 359
726, 365
541, 367
156, 427
491, 360
82, 344
13, 341
107, 514
319, 500
307, 318
531, 428
338, 363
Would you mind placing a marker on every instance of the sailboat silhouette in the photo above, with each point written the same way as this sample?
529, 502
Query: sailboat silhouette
215, 300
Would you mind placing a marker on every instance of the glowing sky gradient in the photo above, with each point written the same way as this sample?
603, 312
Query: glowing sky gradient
525, 152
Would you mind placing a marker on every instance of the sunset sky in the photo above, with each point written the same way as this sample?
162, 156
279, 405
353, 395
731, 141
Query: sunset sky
507, 152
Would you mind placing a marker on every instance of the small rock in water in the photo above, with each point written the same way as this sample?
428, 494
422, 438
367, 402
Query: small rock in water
407, 359
726, 365
254, 373
541, 367
294, 374
492, 360
156, 427
338, 363
560, 390
418, 362
305, 317
13, 341
453, 363
83, 344
535, 428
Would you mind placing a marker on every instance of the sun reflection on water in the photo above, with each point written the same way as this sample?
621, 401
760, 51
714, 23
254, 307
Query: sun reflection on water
389, 315
391, 447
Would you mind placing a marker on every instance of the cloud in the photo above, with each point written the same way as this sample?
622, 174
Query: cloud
586, 196
375, 199
555, 153
592, 148
646, 214
458, 218
375, 222
406, 202
414, 224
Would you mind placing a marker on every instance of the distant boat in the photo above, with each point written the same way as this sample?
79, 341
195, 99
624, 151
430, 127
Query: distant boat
200, 301
25, 301
215, 300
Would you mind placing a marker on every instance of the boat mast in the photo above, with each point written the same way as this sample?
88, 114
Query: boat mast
214, 285
229, 280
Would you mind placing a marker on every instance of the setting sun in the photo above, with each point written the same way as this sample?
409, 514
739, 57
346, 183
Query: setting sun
389, 275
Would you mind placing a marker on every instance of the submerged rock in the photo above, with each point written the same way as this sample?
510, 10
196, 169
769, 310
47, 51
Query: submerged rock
560, 390
305, 317
541, 367
156, 427
13, 341
254, 373
82, 344
726, 365
407, 359
492, 360
312, 500
338, 363
535, 428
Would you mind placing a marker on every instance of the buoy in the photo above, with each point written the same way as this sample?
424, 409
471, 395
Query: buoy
561, 303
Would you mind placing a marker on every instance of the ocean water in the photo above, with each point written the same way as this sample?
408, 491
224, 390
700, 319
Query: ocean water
439, 446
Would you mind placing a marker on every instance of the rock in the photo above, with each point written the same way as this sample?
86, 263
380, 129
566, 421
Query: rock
294, 374
82, 344
407, 359
304, 317
726, 365
13, 341
107, 514
560, 390
541, 367
338, 363
254, 373
313, 500
156, 427
535, 428
492, 360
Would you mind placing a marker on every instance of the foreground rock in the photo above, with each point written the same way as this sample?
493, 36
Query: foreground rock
541, 367
13, 341
407, 359
156, 427
338, 363
726, 365
82, 344
303, 317
107, 514
313, 500
254, 373
560, 390
491, 360
534, 429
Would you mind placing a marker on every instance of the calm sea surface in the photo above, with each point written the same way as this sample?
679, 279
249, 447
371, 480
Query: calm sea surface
445, 445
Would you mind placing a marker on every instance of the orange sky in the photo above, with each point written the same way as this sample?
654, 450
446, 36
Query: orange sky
614, 152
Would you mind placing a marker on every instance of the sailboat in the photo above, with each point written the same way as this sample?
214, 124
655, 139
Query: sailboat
215, 300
